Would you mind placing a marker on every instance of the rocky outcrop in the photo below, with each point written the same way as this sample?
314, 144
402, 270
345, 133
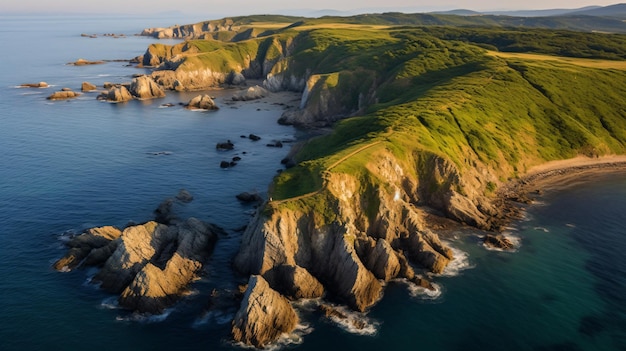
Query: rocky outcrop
252, 93
86, 86
202, 102
264, 315
63, 95
118, 94
149, 265
35, 85
87, 244
144, 87
191, 31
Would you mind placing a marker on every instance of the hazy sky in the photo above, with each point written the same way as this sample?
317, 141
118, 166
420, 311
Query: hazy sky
241, 7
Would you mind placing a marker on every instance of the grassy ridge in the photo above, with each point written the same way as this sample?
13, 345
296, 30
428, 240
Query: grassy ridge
437, 91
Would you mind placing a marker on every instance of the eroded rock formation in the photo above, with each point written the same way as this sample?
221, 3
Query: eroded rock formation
202, 102
264, 315
63, 95
144, 87
252, 93
149, 265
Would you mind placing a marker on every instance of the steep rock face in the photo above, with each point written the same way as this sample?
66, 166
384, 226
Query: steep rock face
366, 233
264, 315
145, 87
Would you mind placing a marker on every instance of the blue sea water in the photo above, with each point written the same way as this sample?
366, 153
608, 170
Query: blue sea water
67, 166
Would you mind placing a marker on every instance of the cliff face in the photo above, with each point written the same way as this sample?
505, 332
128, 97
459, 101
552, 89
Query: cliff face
364, 234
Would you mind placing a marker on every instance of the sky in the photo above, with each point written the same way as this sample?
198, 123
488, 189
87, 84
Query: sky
246, 7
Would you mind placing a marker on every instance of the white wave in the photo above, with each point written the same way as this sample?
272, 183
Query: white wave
355, 322
515, 240
110, 303
308, 305
458, 264
104, 75
145, 318
570, 225
424, 293
542, 229
294, 338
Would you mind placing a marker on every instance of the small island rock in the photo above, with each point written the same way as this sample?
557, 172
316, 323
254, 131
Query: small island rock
202, 102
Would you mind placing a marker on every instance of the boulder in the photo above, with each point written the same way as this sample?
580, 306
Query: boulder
228, 145
86, 86
252, 93
145, 87
35, 85
254, 137
119, 94
264, 315
63, 95
202, 102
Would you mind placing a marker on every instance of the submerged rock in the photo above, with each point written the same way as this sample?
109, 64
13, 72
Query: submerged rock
35, 85
263, 316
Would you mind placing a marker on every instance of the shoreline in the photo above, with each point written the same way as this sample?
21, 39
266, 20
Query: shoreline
514, 196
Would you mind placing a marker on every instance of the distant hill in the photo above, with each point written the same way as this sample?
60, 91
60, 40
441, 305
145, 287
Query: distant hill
616, 11
541, 13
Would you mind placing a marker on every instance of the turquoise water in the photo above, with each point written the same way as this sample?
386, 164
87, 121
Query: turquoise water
66, 166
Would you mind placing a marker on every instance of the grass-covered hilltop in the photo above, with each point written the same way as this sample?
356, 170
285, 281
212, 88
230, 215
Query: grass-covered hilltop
430, 114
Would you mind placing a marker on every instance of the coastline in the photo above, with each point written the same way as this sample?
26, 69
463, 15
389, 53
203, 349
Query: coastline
553, 176
559, 174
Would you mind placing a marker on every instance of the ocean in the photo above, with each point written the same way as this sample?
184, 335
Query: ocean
71, 165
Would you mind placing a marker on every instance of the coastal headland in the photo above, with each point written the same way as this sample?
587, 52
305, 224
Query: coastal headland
422, 121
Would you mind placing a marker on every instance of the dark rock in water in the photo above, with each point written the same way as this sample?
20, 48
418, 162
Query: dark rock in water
232, 163
236, 159
224, 164
163, 213
184, 196
228, 145
249, 197
254, 137
498, 241
276, 143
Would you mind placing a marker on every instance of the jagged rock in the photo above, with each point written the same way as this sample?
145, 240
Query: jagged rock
145, 87
498, 241
154, 288
249, 197
35, 85
202, 102
84, 245
225, 164
379, 257
252, 93
294, 282
108, 85
119, 94
331, 312
264, 315
163, 213
86, 86
63, 95
426, 249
